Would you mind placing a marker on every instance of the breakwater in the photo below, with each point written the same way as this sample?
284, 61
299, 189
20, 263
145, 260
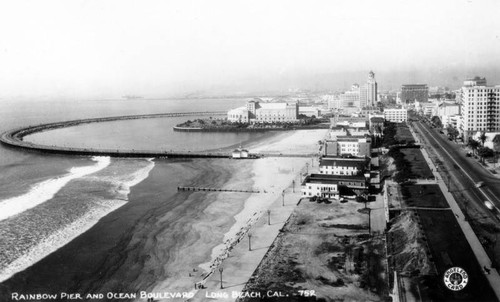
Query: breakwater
14, 138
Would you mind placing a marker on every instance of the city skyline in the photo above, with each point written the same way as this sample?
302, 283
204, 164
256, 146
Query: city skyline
86, 49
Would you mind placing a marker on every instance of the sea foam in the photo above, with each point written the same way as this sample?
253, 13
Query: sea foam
67, 233
46, 190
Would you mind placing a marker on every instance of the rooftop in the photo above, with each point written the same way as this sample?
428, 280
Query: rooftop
333, 179
359, 163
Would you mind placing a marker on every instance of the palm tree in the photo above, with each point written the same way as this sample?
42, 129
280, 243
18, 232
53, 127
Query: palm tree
482, 138
473, 144
485, 152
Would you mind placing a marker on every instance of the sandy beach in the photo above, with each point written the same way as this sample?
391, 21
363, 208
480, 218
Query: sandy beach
162, 240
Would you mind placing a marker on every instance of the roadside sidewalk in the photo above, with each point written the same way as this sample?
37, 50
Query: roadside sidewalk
481, 256
242, 262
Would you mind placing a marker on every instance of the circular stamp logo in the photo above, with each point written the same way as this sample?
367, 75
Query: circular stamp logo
456, 278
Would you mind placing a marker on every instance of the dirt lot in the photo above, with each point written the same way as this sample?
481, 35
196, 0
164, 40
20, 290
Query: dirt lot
325, 249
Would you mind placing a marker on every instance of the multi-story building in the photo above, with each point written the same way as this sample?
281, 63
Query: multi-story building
414, 92
480, 108
238, 115
368, 92
344, 166
396, 115
349, 145
255, 111
371, 88
377, 124
330, 186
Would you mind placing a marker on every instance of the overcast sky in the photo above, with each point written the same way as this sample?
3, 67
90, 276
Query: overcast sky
99, 48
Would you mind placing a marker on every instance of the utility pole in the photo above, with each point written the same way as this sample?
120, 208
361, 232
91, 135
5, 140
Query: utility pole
249, 242
283, 196
268, 217
220, 271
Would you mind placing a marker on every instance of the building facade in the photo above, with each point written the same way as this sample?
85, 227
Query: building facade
348, 145
343, 166
371, 90
238, 115
330, 186
258, 112
414, 92
480, 109
396, 115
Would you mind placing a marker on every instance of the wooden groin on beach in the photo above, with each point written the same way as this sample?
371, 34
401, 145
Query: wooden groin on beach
215, 190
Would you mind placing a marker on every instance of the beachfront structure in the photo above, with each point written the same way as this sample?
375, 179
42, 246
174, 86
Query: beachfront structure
396, 115
414, 92
349, 121
332, 186
337, 131
344, 166
481, 108
309, 111
258, 112
348, 145
240, 153
238, 115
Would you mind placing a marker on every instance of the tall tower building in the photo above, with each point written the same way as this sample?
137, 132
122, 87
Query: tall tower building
481, 108
371, 88
368, 92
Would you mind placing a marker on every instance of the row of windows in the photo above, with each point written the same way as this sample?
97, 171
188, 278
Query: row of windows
334, 167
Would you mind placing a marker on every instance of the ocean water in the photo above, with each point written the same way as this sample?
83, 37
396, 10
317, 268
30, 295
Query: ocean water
71, 223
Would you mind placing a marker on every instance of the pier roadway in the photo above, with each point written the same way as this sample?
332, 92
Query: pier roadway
14, 138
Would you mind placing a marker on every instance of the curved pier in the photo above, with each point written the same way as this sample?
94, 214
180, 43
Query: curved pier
14, 138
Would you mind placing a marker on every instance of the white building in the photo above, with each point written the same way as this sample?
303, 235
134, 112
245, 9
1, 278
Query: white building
480, 108
396, 115
448, 109
309, 111
240, 115
330, 186
343, 166
348, 145
255, 111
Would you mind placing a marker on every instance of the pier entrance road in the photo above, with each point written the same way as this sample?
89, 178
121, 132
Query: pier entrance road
465, 172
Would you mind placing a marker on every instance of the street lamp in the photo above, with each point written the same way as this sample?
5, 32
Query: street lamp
307, 168
220, 271
249, 242
268, 217
293, 186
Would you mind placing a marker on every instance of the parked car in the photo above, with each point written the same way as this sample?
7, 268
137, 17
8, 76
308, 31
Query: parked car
479, 184
468, 154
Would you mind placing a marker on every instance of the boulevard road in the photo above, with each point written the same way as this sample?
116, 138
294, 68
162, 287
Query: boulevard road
467, 171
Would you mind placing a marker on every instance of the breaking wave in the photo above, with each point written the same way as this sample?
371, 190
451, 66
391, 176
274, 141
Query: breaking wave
46, 190
45, 238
